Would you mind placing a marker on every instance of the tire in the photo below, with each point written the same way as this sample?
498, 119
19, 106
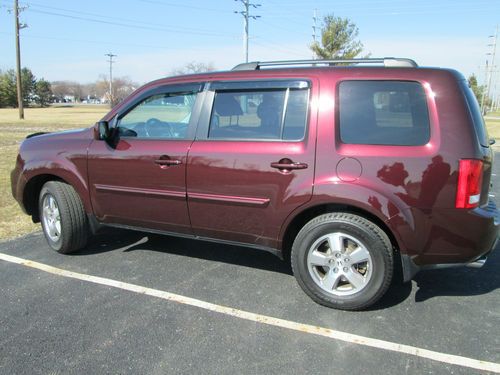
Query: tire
63, 218
343, 261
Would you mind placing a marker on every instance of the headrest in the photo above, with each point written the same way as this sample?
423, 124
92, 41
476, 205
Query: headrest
227, 105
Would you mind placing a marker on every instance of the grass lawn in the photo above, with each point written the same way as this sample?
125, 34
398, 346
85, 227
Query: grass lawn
493, 125
12, 131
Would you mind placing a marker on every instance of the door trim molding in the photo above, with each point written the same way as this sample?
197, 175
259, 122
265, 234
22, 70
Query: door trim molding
140, 191
245, 201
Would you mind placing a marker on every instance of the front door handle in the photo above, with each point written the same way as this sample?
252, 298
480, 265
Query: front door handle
286, 165
165, 161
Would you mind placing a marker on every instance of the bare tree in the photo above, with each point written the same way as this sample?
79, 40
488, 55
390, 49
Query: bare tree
193, 67
122, 87
62, 89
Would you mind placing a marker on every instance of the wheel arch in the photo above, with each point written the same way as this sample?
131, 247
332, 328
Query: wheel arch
301, 218
34, 184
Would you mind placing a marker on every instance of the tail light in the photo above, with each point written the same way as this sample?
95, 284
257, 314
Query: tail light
470, 179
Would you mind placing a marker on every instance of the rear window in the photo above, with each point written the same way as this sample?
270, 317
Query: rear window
383, 113
475, 112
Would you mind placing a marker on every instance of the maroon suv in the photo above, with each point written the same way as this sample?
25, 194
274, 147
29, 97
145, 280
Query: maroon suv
345, 170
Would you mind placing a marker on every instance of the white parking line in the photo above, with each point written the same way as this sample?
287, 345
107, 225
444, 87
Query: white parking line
295, 326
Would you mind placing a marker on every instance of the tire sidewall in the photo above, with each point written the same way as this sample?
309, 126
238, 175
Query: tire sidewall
47, 190
374, 245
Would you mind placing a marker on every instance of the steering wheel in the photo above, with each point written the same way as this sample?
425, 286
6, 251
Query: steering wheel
156, 128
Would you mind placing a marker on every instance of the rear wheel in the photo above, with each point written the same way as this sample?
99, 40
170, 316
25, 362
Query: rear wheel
342, 260
63, 218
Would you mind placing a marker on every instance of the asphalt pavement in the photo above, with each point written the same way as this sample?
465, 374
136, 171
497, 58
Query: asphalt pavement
50, 324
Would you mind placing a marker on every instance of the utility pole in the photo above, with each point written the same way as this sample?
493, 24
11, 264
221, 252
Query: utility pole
486, 72
315, 28
497, 105
494, 97
489, 72
18, 27
246, 16
497, 101
493, 66
111, 98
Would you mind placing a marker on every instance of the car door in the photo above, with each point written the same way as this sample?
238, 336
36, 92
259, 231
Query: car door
252, 162
139, 179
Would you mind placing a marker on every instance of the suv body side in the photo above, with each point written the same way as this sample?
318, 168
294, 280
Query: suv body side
420, 215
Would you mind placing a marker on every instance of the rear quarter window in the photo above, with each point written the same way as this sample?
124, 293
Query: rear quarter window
383, 113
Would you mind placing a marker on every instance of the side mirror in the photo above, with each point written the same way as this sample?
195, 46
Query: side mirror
102, 130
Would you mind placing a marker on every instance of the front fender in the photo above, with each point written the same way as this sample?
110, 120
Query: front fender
63, 169
59, 155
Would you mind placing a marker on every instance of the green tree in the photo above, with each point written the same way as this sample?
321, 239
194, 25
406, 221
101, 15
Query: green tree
8, 93
476, 89
338, 39
8, 87
479, 91
28, 83
43, 93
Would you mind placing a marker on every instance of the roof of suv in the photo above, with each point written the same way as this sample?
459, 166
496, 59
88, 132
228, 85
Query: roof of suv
388, 62
288, 66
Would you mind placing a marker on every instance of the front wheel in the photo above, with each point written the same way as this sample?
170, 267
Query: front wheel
63, 217
342, 260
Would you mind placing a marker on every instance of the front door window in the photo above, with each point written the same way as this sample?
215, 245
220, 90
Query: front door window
162, 116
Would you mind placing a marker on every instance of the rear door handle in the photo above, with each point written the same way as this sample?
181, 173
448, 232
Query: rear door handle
165, 161
287, 164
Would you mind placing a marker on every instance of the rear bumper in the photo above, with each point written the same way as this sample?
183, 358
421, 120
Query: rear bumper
489, 218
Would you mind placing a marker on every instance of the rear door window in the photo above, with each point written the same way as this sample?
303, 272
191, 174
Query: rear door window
383, 113
270, 114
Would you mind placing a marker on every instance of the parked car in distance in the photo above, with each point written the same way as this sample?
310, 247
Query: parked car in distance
345, 171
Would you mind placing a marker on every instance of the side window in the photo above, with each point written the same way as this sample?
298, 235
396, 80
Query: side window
279, 114
383, 113
159, 116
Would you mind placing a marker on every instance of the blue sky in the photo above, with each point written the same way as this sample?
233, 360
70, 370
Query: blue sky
67, 40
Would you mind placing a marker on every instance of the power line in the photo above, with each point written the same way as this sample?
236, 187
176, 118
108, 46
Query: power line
169, 4
261, 42
246, 16
284, 28
385, 11
277, 47
126, 24
127, 20
89, 41
374, 5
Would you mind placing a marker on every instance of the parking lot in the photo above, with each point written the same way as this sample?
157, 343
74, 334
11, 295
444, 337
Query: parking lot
140, 303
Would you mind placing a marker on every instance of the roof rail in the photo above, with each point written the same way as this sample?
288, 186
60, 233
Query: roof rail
388, 62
